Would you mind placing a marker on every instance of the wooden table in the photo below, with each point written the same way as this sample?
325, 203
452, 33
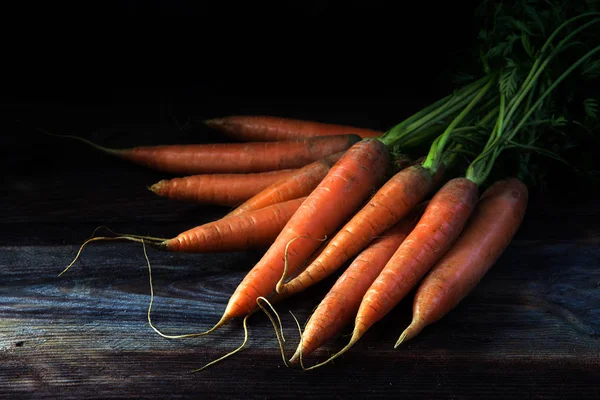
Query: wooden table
529, 330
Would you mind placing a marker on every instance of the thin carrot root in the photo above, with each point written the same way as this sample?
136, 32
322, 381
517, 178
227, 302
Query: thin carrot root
221, 322
231, 353
94, 239
281, 283
83, 140
150, 238
300, 345
120, 236
278, 329
351, 343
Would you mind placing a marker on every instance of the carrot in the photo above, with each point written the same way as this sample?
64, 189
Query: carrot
230, 157
235, 233
299, 184
392, 202
241, 232
440, 225
221, 189
268, 129
341, 303
342, 191
488, 233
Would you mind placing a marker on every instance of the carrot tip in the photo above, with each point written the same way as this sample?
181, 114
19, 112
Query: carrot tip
213, 122
296, 357
408, 334
157, 187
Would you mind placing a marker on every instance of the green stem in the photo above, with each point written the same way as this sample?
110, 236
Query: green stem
546, 45
524, 91
434, 158
551, 88
498, 145
527, 87
408, 129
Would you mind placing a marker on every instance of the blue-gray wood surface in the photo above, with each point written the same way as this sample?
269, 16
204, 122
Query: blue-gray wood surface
529, 330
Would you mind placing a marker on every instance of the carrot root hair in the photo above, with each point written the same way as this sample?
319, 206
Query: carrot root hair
233, 352
149, 238
119, 236
221, 322
276, 325
351, 343
103, 149
300, 345
280, 287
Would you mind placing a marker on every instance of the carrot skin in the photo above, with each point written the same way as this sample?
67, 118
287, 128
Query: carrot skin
440, 225
267, 128
299, 184
250, 230
495, 221
347, 185
220, 189
236, 157
392, 202
340, 304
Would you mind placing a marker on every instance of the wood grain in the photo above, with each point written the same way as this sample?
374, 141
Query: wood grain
529, 330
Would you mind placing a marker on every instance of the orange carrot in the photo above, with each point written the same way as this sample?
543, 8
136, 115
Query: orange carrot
347, 185
236, 233
440, 225
341, 303
221, 189
237, 157
268, 129
488, 233
300, 184
392, 202
253, 229
192, 159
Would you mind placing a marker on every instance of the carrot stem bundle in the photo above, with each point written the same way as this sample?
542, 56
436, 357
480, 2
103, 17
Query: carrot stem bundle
254, 128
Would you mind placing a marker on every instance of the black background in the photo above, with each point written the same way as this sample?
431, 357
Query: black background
95, 67
122, 72
84, 66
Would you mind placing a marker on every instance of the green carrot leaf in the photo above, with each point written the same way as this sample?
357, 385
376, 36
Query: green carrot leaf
590, 107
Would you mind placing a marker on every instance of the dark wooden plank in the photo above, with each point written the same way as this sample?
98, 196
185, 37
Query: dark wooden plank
526, 327
529, 330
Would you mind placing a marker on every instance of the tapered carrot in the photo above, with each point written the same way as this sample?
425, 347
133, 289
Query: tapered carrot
347, 185
253, 229
221, 189
299, 184
340, 304
191, 159
393, 201
236, 233
488, 233
267, 129
440, 225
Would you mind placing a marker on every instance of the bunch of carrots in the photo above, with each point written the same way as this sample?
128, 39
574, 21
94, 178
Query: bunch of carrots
323, 197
